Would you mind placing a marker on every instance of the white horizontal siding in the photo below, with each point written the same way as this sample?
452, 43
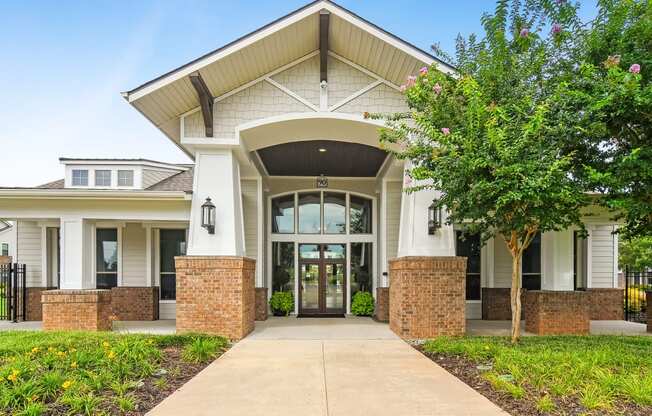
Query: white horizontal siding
502, 264
249, 189
134, 270
602, 256
167, 310
29, 251
473, 310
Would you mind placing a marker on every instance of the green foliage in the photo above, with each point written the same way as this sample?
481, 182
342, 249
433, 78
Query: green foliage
203, 349
80, 372
282, 302
362, 304
636, 253
597, 371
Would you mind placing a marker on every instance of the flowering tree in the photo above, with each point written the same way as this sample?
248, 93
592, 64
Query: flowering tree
485, 136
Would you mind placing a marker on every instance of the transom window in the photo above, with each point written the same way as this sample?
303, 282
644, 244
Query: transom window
125, 178
102, 178
321, 212
79, 177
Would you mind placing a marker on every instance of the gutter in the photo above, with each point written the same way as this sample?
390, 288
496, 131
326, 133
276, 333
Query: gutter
25, 193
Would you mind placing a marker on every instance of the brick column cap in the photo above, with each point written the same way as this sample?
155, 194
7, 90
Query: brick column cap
222, 262
428, 262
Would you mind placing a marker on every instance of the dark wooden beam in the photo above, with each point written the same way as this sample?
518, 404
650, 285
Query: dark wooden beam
324, 19
205, 101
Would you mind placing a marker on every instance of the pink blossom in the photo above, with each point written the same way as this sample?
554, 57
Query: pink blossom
524, 32
407, 181
556, 29
635, 68
410, 81
437, 88
423, 71
403, 88
446, 131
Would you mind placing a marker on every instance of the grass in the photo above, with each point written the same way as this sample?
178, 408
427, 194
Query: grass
86, 373
597, 371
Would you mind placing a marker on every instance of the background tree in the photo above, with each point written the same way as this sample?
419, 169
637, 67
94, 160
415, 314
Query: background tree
484, 137
604, 110
636, 253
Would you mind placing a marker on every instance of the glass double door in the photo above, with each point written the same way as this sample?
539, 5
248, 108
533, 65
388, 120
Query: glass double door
322, 284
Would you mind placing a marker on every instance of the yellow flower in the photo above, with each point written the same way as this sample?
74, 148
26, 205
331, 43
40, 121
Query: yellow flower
105, 344
111, 355
72, 350
35, 350
50, 349
74, 364
61, 354
13, 376
66, 384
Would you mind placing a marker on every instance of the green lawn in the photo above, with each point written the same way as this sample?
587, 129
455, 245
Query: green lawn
601, 373
93, 373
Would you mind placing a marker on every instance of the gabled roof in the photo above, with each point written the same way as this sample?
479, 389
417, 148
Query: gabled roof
296, 35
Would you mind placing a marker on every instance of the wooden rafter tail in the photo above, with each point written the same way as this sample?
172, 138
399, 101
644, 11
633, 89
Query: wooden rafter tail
206, 101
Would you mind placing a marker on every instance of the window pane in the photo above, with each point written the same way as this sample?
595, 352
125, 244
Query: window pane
334, 251
172, 243
125, 178
79, 177
361, 267
283, 267
106, 258
360, 212
102, 178
5, 249
309, 251
468, 245
309, 213
334, 213
283, 214
532, 256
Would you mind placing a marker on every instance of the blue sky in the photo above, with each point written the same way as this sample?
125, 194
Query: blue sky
63, 65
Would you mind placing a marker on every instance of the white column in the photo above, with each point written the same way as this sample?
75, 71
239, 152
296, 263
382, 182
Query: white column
557, 260
76, 254
217, 176
414, 239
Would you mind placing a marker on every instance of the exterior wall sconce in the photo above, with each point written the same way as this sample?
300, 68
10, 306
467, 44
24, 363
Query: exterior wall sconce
208, 216
434, 217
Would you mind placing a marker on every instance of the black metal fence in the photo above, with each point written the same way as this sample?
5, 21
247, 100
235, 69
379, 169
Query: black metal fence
12, 291
636, 284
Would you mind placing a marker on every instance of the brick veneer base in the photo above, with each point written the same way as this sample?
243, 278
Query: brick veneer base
557, 312
261, 304
648, 300
33, 306
381, 311
5, 259
135, 303
497, 303
216, 295
87, 310
606, 304
427, 296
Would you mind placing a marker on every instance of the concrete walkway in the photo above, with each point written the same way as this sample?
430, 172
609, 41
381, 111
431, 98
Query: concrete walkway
313, 367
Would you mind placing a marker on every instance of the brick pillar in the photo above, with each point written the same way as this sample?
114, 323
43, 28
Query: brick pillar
86, 310
261, 303
33, 306
216, 295
606, 304
381, 313
648, 300
135, 303
427, 296
551, 312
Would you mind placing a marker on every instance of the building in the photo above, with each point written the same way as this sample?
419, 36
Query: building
304, 198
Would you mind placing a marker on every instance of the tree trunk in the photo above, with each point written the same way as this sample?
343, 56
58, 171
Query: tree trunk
516, 296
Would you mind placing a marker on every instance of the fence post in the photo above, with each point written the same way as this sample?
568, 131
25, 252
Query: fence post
627, 293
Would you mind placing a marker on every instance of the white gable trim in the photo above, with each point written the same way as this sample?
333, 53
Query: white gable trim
279, 25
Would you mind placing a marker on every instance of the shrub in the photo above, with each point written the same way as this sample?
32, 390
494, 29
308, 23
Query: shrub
362, 304
202, 349
282, 303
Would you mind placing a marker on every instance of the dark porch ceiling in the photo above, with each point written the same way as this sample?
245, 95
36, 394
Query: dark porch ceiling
322, 157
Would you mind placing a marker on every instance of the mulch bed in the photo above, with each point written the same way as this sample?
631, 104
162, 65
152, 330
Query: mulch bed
151, 393
467, 371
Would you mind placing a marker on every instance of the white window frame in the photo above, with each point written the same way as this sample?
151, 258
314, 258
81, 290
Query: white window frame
73, 177
97, 177
102, 226
4, 249
130, 177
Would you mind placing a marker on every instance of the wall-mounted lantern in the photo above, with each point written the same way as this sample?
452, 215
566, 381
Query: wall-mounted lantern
208, 216
434, 217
